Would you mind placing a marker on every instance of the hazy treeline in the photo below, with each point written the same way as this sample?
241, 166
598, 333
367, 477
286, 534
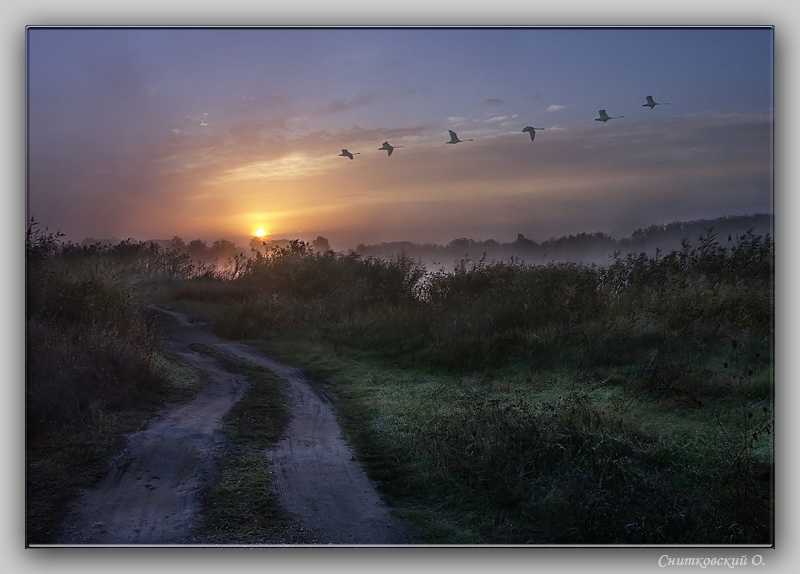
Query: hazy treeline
585, 247
222, 254
198, 250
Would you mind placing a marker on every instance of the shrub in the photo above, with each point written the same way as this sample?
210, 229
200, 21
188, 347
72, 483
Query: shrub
88, 346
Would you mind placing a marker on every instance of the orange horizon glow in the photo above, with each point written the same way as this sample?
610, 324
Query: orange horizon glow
213, 155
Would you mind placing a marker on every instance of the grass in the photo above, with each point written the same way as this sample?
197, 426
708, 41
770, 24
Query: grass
240, 506
549, 457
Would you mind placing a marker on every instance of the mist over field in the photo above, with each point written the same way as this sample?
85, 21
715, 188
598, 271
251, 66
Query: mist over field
591, 248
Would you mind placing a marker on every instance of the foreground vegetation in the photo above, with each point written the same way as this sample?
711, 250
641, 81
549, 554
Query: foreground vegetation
496, 402
94, 368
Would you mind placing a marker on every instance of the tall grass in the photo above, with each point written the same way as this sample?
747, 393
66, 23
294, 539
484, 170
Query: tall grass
484, 313
655, 425
89, 345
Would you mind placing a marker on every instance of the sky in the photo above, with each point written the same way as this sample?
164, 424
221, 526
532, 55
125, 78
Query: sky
214, 133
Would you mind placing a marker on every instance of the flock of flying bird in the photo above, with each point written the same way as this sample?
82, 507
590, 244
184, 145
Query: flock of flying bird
604, 117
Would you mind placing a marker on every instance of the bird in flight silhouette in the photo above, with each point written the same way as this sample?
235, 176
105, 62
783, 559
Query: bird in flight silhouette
389, 148
531, 131
652, 103
454, 138
346, 153
604, 117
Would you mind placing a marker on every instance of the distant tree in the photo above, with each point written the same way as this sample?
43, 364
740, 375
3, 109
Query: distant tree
523, 242
222, 250
197, 249
320, 244
461, 243
177, 244
258, 245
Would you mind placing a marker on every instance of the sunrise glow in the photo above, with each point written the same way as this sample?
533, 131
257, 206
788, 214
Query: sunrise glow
243, 149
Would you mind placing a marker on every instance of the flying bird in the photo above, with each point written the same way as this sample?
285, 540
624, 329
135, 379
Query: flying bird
604, 117
346, 153
389, 148
454, 138
651, 103
531, 131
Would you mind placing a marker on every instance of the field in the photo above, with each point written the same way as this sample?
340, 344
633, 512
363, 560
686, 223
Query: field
495, 403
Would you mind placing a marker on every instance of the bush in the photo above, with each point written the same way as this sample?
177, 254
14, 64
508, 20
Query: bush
88, 346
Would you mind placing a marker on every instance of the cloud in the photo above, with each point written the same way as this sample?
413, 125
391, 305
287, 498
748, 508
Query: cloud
494, 101
554, 108
497, 119
288, 167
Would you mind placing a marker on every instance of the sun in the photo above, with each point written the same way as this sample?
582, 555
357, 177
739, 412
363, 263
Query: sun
260, 232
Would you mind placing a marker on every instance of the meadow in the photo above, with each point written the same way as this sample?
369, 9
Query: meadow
495, 402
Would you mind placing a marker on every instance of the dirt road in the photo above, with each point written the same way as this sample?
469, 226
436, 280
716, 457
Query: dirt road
151, 495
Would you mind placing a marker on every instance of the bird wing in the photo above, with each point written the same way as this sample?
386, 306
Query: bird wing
650, 100
453, 136
390, 149
603, 114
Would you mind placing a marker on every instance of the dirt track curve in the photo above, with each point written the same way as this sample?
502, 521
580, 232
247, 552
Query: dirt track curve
151, 494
